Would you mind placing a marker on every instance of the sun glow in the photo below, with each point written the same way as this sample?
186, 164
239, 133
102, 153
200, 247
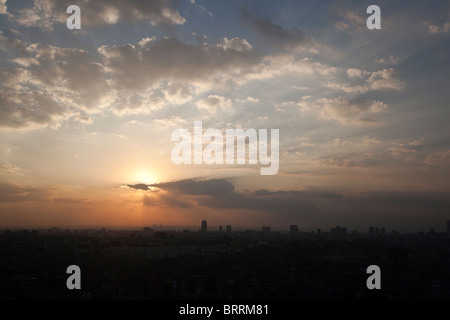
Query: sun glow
146, 177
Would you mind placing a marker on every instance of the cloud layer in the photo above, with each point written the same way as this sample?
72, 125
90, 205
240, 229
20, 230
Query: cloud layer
45, 13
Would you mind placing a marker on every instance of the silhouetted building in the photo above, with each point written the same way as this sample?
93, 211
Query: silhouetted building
448, 227
293, 230
338, 231
265, 230
220, 228
371, 231
204, 226
383, 231
228, 229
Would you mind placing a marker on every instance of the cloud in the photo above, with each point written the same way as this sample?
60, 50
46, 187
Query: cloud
341, 109
10, 192
66, 70
178, 93
440, 158
313, 207
9, 168
9, 42
72, 201
277, 204
337, 86
347, 19
211, 187
444, 28
130, 79
391, 60
386, 79
166, 200
4, 8
251, 100
366, 121
221, 194
45, 13
18, 110
355, 73
139, 186
135, 103
52, 84
214, 102
140, 67
235, 44
405, 200
275, 35
13, 78
303, 193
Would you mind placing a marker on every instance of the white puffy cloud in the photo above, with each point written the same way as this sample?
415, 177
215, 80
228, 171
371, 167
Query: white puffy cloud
444, 28
51, 84
20, 109
355, 73
214, 102
134, 103
140, 67
249, 100
236, 44
3, 8
178, 93
145, 41
338, 86
386, 79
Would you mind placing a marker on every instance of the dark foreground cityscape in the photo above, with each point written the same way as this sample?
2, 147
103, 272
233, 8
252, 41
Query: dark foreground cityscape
224, 264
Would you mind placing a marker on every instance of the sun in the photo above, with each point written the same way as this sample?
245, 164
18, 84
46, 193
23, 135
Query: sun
146, 177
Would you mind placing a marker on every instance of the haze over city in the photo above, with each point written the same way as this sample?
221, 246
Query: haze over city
86, 116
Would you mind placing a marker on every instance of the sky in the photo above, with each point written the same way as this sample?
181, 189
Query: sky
87, 115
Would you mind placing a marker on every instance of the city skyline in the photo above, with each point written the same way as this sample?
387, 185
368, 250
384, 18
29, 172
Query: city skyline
87, 116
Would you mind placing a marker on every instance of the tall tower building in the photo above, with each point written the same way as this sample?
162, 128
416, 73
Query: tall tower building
204, 226
228, 229
293, 229
266, 229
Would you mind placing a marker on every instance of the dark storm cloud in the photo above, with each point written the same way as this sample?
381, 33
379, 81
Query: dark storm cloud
276, 203
138, 186
306, 193
214, 187
274, 34
309, 207
221, 194
433, 201
167, 200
